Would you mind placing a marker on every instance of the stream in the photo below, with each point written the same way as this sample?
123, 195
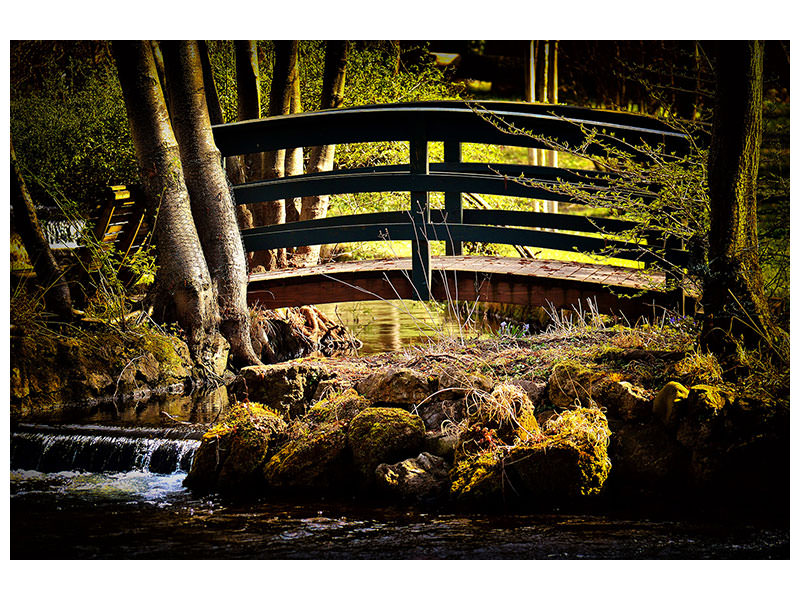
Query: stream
108, 485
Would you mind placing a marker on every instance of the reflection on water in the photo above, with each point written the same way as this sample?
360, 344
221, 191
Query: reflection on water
389, 326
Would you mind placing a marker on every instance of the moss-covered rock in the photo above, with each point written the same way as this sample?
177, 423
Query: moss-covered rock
397, 386
231, 453
415, 479
317, 459
624, 400
384, 435
476, 481
287, 388
572, 383
668, 403
568, 461
341, 406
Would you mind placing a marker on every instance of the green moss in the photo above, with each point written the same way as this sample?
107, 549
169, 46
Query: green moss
337, 407
384, 435
476, 480
231, 453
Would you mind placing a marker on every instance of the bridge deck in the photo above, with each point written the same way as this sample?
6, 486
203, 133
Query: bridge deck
465, 278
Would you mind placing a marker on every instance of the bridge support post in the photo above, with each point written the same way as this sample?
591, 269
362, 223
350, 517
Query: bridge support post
453, 206
420, 217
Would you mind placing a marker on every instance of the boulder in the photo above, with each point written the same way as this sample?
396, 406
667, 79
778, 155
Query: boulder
646, 457
314, 460
624, 400
572, 384
705, 411
231, 453
437, 411
414, 479
442, 444
384, 435
477, 481
342, 406
456, 383
397, 387
669, 403
287, 388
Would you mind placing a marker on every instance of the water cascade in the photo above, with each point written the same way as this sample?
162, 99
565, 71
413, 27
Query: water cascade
98, 449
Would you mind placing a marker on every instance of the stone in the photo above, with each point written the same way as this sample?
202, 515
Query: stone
396, 386
476, 481
442, 444
286, 388
646, 457
668, 403
232, 453
705, 410
437, 411
455, 383
317, 460
572, 384
414, 479
384, 435
624, 400
341, 406
536, 390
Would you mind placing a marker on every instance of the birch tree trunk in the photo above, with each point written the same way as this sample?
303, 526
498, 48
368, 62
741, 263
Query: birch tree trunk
293, 164
50, 276
183, 284
321, 157
274, 212
211, 201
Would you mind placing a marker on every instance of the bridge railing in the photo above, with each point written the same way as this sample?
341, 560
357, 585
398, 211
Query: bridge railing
453, 123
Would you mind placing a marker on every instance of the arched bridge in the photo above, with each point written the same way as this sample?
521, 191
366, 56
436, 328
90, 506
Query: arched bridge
455, 276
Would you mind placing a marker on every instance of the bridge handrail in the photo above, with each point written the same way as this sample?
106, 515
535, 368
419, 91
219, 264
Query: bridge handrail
453, 122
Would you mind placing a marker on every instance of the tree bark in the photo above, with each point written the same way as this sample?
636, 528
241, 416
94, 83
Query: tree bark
50, 276
211, 201
274, 212
183, 284
321, 157
293, 164
234, 167
733, 297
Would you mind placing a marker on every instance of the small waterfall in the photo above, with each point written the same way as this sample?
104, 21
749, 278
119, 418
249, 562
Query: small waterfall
99, 449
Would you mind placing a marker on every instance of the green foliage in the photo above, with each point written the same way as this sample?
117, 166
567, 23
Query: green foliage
72, 130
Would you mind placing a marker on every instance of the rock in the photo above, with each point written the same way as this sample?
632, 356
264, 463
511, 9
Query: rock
442, 444
436, 411
384, 435
572, 384
646, 457
570, 461
477, 481
414, 479
705, 410
455, 383
396, 386
624, 400
231, 454
537, 391
286, 388
668, 402
318, 460
342, 406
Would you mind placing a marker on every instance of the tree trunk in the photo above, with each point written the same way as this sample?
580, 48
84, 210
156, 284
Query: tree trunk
183, 284
211, 201
51, 277
274, 212
234, 167
321, 157
293, 164
733, 296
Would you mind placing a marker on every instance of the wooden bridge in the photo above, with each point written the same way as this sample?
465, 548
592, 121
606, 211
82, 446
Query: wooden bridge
454, 276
